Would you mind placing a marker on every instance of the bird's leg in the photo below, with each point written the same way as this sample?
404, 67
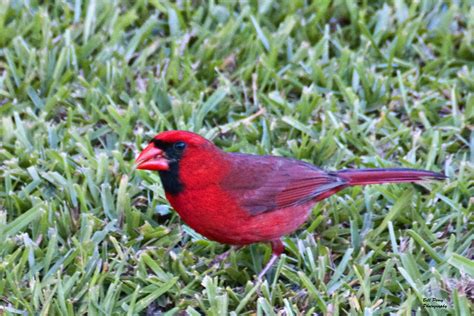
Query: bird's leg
218, 259
267, 267
277, 250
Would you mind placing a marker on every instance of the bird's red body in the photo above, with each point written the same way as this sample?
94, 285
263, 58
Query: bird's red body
223, 218
240, 199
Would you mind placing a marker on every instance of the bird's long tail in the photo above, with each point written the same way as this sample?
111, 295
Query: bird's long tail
395, 175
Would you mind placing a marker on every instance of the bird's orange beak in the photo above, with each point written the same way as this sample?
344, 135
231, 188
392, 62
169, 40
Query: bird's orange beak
152, 158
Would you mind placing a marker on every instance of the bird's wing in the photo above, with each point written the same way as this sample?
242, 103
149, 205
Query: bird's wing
265, 183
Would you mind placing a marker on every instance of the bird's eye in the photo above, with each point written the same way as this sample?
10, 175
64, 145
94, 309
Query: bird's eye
179, 146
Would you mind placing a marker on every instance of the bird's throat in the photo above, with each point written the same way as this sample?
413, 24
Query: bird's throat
170, 179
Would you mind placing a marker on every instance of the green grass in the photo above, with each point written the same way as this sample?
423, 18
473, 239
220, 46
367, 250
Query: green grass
85, 84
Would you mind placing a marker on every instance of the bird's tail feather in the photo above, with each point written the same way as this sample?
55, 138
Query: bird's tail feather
391, 175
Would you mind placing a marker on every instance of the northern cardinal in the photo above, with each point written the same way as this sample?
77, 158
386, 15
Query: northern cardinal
240, 199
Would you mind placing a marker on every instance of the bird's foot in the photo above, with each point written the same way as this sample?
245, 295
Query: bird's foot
222, 257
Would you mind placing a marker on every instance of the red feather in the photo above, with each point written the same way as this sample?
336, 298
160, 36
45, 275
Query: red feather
396, 175
266, 183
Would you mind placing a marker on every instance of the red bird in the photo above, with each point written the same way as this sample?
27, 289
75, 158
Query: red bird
240, 199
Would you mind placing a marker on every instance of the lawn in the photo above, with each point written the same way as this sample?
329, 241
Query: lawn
84, 85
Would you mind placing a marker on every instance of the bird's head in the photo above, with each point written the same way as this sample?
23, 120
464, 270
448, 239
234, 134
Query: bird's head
170, 147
